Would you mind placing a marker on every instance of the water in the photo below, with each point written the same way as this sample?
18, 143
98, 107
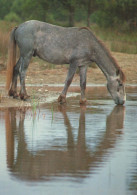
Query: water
70, 149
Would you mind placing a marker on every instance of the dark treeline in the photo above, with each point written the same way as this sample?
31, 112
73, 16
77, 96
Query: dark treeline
106, 13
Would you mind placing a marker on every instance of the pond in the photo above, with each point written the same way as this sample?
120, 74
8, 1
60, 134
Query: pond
70, 149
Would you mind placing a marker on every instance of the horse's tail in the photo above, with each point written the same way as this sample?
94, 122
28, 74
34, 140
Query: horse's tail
11, 58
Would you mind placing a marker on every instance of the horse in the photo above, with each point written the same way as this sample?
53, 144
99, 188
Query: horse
76, 46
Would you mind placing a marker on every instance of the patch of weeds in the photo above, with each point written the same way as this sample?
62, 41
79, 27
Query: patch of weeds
34, 105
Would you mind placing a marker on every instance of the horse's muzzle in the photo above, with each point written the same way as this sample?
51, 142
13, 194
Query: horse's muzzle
119, 102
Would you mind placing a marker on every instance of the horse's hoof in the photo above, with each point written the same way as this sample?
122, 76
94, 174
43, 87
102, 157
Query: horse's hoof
13, 93
24, 97
62, 99
83, 101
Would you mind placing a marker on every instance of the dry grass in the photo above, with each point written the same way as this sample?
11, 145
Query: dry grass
123, 47
1, 95
4, 37
124, 42
5, 29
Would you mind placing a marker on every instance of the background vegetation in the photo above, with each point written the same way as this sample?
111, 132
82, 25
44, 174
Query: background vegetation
105, 13
113, 21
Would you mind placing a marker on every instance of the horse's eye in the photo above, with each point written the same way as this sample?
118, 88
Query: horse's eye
120, 84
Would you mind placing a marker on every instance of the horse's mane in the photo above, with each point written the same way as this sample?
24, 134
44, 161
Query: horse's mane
119, 70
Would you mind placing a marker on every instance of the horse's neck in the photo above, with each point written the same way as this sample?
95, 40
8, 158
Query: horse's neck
106, 63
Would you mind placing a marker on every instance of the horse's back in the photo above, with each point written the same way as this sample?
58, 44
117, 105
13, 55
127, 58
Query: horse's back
36, 29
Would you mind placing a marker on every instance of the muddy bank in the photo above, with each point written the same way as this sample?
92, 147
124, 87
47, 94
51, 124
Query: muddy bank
38, 95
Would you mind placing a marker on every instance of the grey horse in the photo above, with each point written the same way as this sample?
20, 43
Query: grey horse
78, 47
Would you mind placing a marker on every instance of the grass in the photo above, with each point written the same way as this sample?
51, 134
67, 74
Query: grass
34, 107
34, 104
116, 40
124, 47
5, 28
3, 45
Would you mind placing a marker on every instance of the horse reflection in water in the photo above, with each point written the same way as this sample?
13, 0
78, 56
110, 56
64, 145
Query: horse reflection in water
77, 161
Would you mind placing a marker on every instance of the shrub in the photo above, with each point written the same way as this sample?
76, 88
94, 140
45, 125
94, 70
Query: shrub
12, 17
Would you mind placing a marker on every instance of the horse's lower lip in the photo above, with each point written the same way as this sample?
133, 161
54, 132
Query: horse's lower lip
122, 102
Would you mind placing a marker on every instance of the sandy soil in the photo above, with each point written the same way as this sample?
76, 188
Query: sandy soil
38, 73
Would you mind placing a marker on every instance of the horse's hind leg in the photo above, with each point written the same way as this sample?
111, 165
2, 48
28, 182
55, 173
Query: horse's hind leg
83, 74
70, 75
13, 89
25, 59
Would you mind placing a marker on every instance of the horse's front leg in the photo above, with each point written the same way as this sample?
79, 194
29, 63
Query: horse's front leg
83, 75
70, 75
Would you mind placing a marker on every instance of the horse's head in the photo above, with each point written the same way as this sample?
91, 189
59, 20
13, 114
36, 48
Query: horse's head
116, 87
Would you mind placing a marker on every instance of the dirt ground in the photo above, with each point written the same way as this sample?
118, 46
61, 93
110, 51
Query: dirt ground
39, 74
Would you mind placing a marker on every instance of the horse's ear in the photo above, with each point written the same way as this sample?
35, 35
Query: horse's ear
118, 72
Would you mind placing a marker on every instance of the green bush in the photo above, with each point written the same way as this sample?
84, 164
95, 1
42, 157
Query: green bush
101, 18
12, 17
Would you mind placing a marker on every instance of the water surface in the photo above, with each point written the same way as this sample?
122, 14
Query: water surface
71, 149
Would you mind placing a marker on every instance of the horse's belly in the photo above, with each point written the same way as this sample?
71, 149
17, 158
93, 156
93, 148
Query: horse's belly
54, 59
54, 56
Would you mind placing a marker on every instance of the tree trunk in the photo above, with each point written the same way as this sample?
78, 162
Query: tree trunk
88, 12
